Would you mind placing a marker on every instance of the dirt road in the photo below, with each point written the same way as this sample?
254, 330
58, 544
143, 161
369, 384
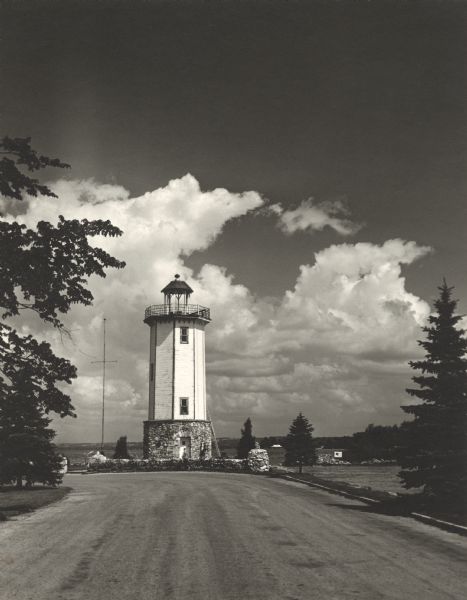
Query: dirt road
203, 536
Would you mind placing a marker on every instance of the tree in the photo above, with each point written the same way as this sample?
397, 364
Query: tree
377, 441
299, 447
16, 154
121, 449
25, 440
434, 449
247, 440
44, 270
269, 441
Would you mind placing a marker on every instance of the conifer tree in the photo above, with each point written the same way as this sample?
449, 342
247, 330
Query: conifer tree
121, 449
434, 452
247, 441
299, 447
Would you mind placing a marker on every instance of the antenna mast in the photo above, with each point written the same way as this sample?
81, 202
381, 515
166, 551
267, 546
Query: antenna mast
103, 362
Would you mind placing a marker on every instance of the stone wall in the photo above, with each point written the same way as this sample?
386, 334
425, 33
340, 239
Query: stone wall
258, 461
144, 465
162, 439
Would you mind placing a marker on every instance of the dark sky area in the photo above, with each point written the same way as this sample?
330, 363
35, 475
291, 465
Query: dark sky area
364, 100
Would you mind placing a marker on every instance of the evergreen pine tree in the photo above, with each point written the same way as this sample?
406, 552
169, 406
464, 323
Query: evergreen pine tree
299, 443
247, 441
434, 451
121, 449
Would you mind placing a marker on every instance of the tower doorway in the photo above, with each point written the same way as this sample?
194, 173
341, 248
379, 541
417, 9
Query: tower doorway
185, 448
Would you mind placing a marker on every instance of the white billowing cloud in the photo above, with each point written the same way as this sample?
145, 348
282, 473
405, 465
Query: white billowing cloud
334, 347
354, 298
309, 216
238, 314
160, 227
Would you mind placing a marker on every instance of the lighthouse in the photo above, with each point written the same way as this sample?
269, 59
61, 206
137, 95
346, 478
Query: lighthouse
177, 425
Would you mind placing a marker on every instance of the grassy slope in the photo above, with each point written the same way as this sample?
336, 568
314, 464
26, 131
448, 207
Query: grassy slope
14, 502
400, 504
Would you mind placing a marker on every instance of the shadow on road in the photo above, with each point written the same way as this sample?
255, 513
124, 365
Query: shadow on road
393, 508
405, 507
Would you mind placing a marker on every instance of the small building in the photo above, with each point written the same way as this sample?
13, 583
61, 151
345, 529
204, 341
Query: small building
178, 426
329, 455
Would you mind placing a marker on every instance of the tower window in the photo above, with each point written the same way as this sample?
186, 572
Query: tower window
183, 406
183, 335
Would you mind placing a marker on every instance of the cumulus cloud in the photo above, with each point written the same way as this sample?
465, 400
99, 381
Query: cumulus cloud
309, 216
335, 346
160, 227
354, 298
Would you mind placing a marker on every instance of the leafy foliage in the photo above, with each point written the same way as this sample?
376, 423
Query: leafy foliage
121, 449
299, 447
434, 453
31, 455
44, 270
17, 153
247, 440
269, 441
28, 395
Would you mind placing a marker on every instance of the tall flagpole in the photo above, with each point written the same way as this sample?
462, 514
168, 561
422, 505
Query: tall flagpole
103, 362
103, 391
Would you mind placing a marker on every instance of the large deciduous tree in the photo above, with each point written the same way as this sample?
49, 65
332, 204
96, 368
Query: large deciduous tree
45, 270
299, 448
247, 440
434, 452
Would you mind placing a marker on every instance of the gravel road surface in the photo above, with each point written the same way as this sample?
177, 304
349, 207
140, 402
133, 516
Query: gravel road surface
203, 536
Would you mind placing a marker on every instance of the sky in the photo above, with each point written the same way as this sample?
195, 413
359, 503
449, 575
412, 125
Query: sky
302, 165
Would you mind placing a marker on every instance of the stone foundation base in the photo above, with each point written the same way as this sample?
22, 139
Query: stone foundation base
177, 439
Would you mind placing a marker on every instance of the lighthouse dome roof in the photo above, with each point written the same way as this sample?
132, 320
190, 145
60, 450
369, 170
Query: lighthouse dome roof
177, 286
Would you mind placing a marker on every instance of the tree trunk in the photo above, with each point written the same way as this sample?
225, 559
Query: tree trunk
19, 482
300, 466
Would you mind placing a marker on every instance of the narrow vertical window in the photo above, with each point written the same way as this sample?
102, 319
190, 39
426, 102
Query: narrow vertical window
151, 371
183, 406
183, 335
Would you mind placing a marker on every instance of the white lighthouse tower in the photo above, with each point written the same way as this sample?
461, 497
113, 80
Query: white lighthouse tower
177, 425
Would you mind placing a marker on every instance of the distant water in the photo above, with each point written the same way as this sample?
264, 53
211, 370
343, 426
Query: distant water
77, 452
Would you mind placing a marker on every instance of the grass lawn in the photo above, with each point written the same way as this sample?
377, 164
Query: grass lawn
391, 503
14, 502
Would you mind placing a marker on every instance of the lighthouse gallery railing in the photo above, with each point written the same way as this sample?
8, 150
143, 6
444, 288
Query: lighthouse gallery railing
190, 310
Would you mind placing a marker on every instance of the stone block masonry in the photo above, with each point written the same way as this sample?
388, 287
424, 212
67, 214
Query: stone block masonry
258, 461
163, 439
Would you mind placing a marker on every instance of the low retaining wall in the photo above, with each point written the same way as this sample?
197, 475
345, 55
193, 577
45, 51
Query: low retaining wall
229, 465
